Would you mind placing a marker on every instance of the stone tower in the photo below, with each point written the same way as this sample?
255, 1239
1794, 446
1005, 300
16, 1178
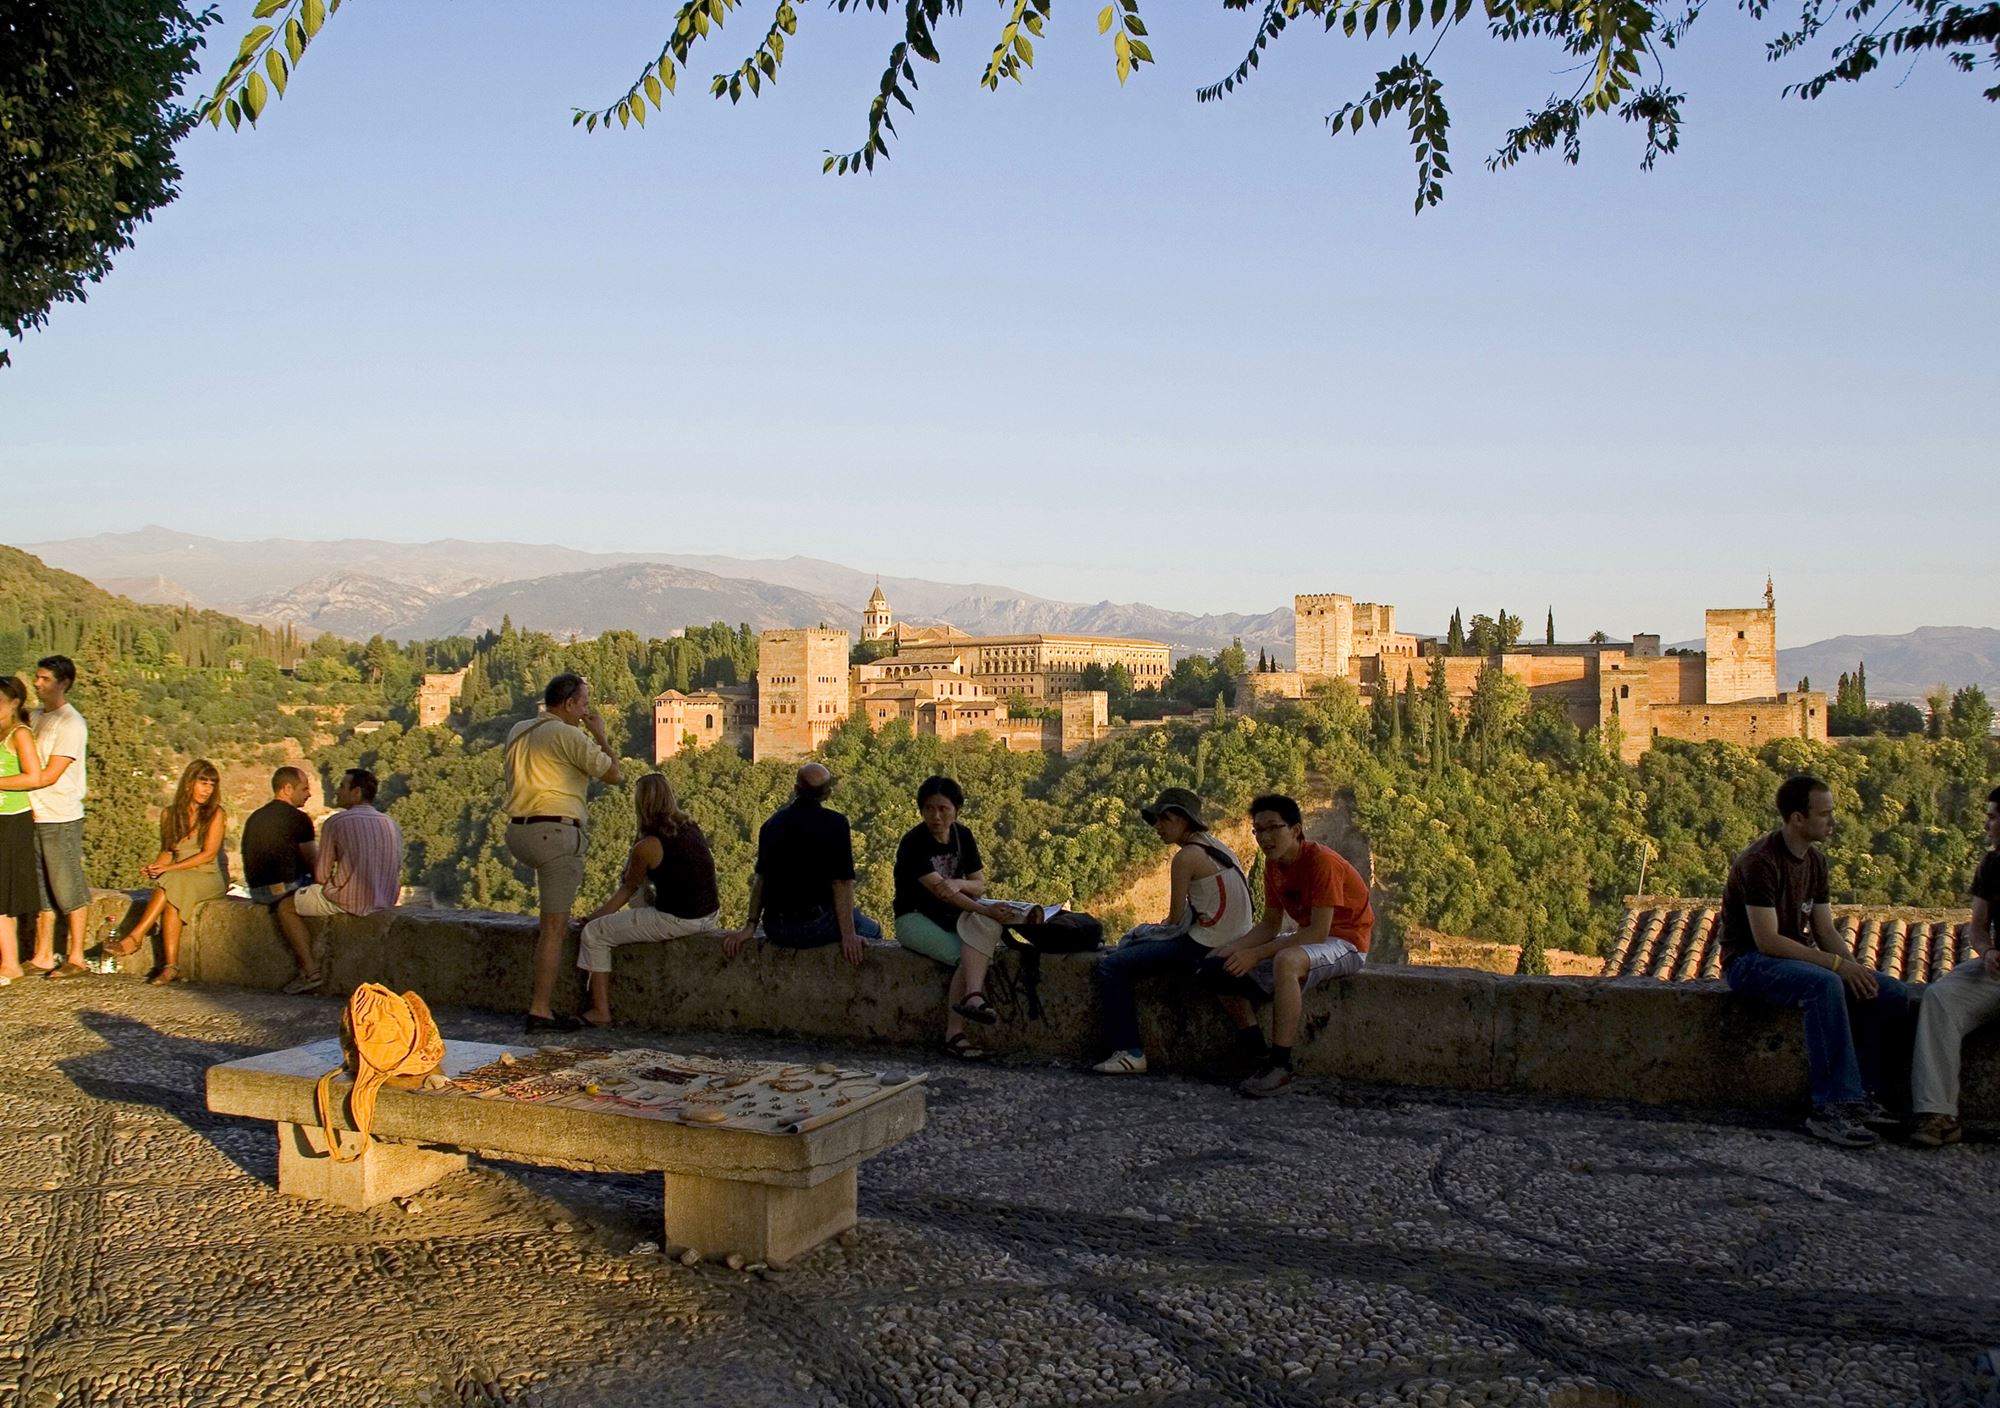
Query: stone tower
802, 693
877, 621
1322, 635
1743, 651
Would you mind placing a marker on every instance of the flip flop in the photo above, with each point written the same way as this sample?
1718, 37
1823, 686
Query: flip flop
168, 973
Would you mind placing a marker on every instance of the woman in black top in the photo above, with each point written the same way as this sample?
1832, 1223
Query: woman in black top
940, 910
669, 880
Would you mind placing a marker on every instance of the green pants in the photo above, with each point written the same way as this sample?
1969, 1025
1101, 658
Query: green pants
920, 933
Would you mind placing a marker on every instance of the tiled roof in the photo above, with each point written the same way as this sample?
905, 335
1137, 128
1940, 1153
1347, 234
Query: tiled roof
1677, 939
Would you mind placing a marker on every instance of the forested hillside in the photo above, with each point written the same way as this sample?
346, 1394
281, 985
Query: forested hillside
1505, 823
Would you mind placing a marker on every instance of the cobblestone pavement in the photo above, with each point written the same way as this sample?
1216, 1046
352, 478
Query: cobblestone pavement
1051, 1238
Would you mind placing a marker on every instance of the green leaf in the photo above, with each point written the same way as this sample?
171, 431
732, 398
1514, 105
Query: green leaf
253, 39
295, 39
590, 123
653, 89
315, 16
274, 63
254, 95
267, 8
235, 115
667, 74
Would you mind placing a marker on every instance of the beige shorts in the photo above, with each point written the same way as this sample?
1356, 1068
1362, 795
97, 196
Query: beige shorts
554, 851
311, 903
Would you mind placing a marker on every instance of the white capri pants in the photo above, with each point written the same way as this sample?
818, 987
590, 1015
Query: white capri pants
638, 923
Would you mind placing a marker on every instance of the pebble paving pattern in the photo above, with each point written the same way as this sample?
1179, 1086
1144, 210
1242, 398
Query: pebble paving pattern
1052, 1238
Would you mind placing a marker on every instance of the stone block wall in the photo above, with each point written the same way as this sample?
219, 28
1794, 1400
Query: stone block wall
1742, 653
1690, 1043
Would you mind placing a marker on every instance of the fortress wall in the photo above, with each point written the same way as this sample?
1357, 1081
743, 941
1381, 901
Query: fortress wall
1636, 1039
1749, 723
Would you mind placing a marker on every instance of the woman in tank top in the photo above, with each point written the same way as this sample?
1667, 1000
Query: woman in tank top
20, 773
1208, 905
667, 891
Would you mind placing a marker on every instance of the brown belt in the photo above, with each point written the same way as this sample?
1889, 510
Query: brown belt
535, 820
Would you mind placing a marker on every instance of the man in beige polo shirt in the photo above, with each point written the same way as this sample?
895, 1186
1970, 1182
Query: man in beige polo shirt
551, 761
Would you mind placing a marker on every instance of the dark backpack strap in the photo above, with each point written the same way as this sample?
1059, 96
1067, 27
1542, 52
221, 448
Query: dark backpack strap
1220, 857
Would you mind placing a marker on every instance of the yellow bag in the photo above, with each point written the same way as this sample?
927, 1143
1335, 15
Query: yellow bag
388, 1039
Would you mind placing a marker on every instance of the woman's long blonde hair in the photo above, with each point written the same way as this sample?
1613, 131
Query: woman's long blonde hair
183, 818
659, 810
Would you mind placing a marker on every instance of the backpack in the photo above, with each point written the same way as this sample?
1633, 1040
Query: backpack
386, 1038
1066, 931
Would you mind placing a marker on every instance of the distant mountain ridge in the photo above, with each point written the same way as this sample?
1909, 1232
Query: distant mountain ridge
358, 587
1901, 667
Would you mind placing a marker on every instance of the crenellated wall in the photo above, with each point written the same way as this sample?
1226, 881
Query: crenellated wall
1689, 1043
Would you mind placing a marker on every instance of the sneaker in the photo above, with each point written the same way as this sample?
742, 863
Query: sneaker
1936, 1131
1272, 1080
1122, 1063
1836, 1125
1874, 1114
305, 982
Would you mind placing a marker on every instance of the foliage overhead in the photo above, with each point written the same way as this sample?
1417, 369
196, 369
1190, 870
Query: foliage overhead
89, 114
1617, 47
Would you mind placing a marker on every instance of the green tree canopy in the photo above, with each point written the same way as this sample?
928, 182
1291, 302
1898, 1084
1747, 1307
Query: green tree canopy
89, 114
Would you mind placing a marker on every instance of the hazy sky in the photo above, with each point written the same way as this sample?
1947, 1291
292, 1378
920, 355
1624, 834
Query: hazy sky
1088, 341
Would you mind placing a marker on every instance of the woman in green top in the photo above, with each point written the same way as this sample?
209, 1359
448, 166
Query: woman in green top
20, 774
187, 870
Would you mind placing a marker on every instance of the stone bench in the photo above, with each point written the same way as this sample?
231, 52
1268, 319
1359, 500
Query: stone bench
764, 1195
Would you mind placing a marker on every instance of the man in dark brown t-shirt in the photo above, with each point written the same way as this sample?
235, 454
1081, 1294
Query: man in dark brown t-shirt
1779, 944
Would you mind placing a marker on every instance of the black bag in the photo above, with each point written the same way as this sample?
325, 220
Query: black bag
1067, 931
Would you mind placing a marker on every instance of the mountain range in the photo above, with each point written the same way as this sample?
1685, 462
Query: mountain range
358, 587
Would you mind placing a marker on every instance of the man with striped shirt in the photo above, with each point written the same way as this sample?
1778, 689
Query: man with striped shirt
359, 869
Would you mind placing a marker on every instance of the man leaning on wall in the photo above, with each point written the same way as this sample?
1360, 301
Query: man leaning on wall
551, 760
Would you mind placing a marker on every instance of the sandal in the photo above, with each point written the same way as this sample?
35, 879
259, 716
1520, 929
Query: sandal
981, 1012
124, 946
959, 1049
166, 973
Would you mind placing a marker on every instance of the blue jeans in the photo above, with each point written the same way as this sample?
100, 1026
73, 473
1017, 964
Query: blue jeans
1150, 948
1844, 1034
816, 931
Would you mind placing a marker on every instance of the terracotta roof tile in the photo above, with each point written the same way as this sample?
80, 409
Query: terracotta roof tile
1678, 939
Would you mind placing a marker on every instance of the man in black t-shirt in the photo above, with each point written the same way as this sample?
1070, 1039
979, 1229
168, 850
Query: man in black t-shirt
278, 856
1779, 944
1966, 997
803, 888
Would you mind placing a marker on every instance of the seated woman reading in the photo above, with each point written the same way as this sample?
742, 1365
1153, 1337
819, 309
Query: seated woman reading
188, 870
670, 857
941, 910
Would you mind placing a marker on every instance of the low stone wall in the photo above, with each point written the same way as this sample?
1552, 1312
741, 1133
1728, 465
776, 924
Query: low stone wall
1687, 1043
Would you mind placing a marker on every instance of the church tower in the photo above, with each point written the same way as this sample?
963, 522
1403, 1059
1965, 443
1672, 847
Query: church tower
877, 621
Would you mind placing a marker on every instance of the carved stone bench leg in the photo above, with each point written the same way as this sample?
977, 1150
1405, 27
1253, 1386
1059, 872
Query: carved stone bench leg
383, 1172
760, 1221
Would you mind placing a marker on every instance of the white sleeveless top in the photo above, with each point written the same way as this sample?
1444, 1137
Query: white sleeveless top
1221, 902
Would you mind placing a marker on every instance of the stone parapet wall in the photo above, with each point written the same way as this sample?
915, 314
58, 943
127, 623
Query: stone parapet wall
1689, 1043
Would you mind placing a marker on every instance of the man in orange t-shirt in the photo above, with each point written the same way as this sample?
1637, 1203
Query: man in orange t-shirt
1327, 901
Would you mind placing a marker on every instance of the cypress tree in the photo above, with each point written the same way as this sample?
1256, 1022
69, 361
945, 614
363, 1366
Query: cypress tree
1551, 638
1454, 641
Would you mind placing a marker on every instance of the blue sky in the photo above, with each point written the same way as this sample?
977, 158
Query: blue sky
1089, 341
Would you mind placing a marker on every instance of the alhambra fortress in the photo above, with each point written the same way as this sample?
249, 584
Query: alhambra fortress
1025, 690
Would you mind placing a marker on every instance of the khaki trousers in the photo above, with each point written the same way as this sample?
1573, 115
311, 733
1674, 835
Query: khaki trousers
1953, 1005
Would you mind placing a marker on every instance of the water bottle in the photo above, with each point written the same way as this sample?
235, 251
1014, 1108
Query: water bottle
104, 962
